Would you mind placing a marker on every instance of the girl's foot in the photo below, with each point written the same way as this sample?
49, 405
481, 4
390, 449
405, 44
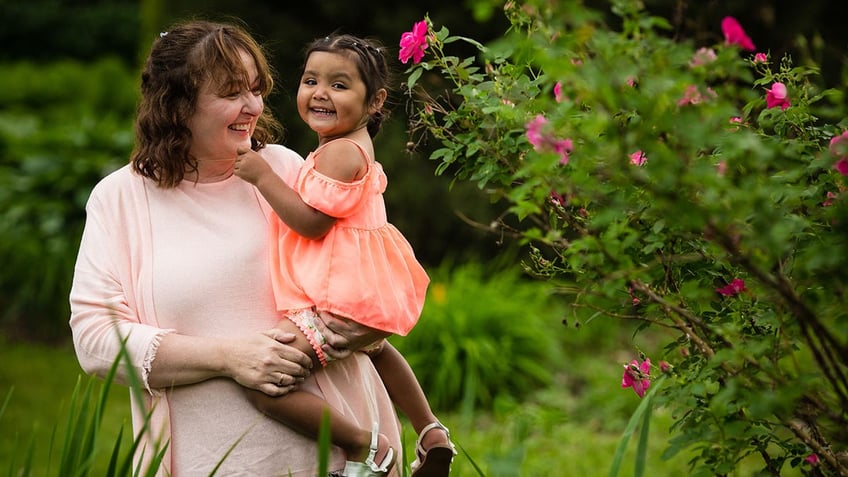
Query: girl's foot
379, 459
434, 452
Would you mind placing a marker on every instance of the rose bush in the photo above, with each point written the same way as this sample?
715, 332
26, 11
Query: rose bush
725, 233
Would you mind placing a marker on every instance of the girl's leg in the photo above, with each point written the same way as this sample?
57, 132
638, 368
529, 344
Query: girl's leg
406, 393
303, 411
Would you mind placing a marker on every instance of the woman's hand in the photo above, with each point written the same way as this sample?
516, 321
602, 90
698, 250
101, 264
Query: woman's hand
262, 361
345, 336
266, 362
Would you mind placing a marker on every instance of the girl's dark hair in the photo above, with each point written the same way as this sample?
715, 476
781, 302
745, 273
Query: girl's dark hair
181, 61
370, 60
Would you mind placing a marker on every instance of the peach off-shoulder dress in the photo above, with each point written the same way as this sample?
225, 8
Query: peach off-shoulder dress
364, 269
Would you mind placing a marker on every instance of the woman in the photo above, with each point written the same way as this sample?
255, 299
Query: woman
173, 262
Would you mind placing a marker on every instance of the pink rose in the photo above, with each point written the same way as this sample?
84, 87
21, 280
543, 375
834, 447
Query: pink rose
777, 96
413, 43
638, 158
734, 34
735, 287
637, 376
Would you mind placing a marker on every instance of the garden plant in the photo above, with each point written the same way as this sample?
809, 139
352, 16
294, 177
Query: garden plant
696, 189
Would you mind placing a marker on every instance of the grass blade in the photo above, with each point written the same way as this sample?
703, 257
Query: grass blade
635, 419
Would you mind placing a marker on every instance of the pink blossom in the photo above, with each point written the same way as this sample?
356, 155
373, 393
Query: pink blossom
735, 287
634, 300
638, 158
543, 142
413, 43
692, 95
631, 81
534, 131
839, 144
777, 96
812, 459
842, 166
637, 376
760, 58
831, 197
721, 168
557, 198
664, 367
563, 147
703, 56
558, 95
734, 34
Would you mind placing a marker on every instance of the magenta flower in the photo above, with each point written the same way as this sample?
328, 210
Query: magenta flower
777, 96
563, 147
760, 58
534, 131
543, 142
638, 158
558, 95
735, 287
557, 198
637, 376
665, 367
734, 34
842, 166
413, 43
812, 459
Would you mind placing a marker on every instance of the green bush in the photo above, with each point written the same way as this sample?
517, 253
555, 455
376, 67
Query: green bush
62, 127
483, 334
697, 189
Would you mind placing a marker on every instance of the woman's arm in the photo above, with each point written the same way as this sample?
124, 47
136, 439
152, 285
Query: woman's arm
106, 322
262, 361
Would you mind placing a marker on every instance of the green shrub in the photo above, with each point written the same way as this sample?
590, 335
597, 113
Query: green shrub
698, 189
483, 334
62, 127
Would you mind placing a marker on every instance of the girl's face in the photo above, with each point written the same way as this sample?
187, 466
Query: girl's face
225, 120
331, 98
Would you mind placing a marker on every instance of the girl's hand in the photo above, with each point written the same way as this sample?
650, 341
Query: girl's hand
266, 363
251, 166
345, 336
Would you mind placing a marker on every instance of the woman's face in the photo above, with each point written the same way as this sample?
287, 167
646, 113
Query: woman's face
225, 120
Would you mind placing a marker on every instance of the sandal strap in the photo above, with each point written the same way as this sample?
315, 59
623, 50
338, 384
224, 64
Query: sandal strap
419, 449
383, 466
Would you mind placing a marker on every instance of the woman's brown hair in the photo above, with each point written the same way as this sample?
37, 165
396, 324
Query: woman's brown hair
181, 61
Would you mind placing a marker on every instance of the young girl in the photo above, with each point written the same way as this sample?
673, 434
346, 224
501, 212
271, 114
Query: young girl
335, 252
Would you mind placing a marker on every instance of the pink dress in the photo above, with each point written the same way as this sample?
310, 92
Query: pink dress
363, 269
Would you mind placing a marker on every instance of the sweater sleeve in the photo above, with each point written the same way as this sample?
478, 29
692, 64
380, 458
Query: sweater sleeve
105, 318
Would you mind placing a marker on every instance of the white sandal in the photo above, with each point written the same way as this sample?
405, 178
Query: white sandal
435, 461
369, 468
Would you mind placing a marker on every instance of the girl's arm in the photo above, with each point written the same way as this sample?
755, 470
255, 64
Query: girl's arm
340, 160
